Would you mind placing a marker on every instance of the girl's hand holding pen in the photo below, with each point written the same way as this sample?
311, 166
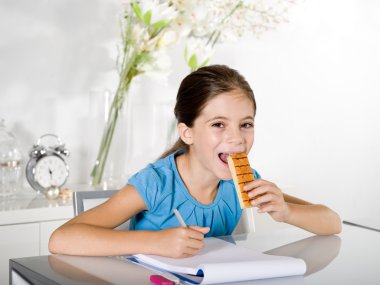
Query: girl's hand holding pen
270, 199
180, 242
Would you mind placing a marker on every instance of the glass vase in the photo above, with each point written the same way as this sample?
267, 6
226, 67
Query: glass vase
10, 162
145, 128
114, 173
149, 130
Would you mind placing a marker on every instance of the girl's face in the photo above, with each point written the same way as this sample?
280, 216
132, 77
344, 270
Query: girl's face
224, 126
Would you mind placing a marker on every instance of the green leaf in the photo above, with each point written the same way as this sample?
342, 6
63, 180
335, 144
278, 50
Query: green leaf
137, 10
193, 62
143, 57
148, 17
160, 24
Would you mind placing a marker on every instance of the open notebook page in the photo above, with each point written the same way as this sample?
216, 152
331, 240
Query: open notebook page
220, 261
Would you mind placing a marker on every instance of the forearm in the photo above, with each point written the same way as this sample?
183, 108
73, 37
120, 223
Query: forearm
82, 239
317, 219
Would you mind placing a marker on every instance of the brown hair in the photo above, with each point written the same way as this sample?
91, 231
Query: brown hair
198, 88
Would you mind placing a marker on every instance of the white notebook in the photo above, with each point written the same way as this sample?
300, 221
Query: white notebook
221, 261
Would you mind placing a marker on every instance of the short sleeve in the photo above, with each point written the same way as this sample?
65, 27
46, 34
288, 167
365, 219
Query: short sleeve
256, 174
148, 185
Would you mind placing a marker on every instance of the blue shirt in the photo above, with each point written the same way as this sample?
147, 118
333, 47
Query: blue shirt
163, 190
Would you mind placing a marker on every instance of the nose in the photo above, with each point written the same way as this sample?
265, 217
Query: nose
234, 136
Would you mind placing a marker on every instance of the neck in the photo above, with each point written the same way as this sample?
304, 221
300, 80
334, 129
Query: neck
202, 186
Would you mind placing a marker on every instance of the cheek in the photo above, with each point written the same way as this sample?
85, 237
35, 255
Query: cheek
210, 138
215, 138
250, 138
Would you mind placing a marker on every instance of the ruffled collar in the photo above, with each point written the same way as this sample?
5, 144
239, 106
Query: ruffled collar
184, 189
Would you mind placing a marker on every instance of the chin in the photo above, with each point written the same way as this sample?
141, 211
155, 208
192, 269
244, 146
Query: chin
224, 176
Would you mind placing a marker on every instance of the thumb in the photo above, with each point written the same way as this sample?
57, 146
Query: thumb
203, 230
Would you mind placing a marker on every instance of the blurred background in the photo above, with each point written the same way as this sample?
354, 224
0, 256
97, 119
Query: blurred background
315, 79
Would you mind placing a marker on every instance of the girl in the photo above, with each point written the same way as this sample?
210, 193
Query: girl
215, 109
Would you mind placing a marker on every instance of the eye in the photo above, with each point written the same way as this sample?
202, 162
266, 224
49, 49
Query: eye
247, 125
218, 125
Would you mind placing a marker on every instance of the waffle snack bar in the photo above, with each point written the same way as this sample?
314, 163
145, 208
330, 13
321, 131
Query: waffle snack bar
241, 174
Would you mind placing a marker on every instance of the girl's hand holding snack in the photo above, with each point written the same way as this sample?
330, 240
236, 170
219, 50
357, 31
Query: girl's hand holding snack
270, 199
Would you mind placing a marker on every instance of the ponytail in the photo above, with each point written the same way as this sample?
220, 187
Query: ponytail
179, 144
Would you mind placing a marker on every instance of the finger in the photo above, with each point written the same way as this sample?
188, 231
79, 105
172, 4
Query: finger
255, 183
190, 252
195, 244
268, 208
184, 255
189, 233
264, 199
256, 193
266, 188
195, 234
249, 186
203, 230
179, 255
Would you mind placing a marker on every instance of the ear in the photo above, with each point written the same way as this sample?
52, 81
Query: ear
185, 133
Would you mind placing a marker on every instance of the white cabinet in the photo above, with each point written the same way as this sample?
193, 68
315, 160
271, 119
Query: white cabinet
17, 241
46, 229
26, 223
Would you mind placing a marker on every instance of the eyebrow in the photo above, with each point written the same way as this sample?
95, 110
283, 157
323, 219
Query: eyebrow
225, 118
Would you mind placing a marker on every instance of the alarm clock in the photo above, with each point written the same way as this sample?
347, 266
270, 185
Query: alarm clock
47, 170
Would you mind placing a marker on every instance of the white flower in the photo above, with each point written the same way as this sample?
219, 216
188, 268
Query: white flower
139, 36
167, 38
182, 25
204, 24
159, 67
154, 11
197, 52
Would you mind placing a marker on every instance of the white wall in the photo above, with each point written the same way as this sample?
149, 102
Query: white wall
318, 125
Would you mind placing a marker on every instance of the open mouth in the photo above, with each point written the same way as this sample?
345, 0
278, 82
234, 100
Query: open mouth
223, 157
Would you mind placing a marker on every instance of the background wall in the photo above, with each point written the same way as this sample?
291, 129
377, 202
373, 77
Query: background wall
315, 80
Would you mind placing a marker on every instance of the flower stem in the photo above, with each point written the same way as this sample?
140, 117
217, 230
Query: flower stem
214, 37
117, 104
97, 172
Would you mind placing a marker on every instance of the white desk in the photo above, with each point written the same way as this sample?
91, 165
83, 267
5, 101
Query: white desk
353, 257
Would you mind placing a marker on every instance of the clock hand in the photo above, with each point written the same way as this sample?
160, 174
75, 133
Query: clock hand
51, 176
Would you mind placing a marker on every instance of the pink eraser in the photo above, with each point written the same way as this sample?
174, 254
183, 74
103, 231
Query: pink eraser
160, 280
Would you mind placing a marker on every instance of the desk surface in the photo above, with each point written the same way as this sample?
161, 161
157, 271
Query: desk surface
353, 257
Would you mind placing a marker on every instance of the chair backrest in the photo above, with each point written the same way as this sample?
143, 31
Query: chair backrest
246, 223
84, 200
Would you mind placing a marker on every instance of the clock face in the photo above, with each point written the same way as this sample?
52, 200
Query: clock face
51, 171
